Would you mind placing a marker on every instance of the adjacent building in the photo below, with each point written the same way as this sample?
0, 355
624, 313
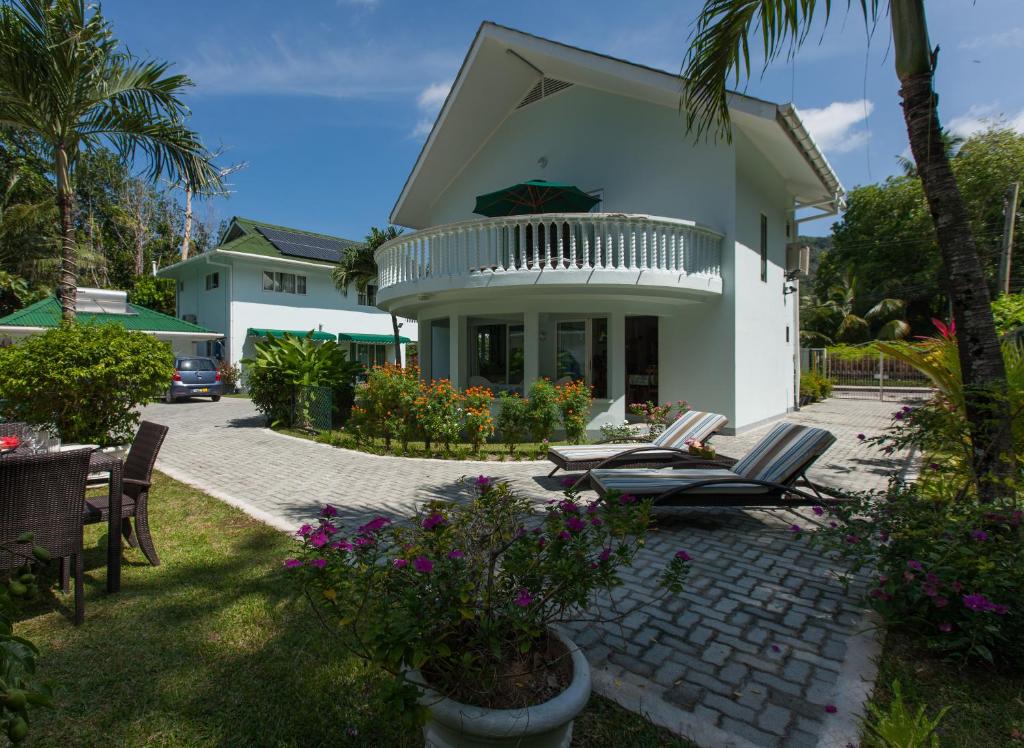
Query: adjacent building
679, 284
264, 279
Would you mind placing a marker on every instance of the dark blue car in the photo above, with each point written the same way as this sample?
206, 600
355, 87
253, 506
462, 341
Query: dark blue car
195, 376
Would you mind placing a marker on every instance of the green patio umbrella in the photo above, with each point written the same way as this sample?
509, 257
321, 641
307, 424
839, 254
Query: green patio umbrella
535, 196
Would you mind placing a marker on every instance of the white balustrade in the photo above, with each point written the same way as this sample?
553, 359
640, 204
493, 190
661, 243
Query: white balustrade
556, 243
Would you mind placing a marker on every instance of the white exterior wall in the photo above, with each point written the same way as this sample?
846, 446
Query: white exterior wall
242, 299
726, 354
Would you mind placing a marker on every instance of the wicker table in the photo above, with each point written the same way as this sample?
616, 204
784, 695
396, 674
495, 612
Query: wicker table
102, 462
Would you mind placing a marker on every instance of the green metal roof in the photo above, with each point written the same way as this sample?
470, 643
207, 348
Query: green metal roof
263, 332
46, 313
365, 337
242, 236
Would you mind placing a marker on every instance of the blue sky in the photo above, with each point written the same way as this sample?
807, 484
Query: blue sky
328, 100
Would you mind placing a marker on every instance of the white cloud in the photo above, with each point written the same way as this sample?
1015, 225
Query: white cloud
834, 127
980, 117
1008, 39
315, 67
429, 102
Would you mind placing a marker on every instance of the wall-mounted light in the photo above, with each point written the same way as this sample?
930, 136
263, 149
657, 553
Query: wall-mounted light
542, 162
788, 289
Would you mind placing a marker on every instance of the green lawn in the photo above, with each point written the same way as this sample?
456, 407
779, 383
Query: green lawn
211, 648
986, 706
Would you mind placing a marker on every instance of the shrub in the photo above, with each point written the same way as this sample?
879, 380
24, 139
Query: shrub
1008, 311
623, 432
898, 727
84, 381
479, 425
542, 409
436, 411
513, 419
657, 417
949, 572
230, 376
154, 293
289, 363
814, 387
388, 396
574, 404
466, 594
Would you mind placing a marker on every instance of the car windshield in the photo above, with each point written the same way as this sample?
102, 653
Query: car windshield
195, 364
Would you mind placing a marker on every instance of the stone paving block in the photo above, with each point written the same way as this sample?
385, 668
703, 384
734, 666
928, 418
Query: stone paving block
751, 733
709, 648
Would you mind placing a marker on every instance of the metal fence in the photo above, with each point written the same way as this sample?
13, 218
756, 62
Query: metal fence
873, 376
312, 408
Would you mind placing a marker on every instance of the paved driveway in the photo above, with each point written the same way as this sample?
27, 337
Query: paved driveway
761, 641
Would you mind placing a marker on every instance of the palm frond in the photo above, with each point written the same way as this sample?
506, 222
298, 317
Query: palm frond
720, 50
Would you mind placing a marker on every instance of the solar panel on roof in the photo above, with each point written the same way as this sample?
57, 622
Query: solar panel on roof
294, 244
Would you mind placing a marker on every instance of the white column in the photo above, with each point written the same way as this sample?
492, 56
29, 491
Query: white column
531, 349
617, 366
457, 350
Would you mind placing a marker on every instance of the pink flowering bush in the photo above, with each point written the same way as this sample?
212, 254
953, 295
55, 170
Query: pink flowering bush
658, 417
949, 572
465, 592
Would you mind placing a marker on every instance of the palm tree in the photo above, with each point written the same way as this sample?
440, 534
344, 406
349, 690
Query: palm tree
66, 79
720, 51
359, 268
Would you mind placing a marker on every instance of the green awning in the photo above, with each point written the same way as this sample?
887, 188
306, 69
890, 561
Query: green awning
260, 332
365, 337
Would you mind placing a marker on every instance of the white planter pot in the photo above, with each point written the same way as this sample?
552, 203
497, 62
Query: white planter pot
546, 725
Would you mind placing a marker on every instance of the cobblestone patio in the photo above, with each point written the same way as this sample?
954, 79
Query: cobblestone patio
759, 643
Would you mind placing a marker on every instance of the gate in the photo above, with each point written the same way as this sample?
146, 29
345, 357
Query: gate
872, 376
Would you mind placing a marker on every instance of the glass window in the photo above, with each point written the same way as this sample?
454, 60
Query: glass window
516, 353
195, 364
279, 282
572, 350
300, 284
764, 247
368, 296
599, 356
268, 280
370, 354
212, 281
491, 353
288, 283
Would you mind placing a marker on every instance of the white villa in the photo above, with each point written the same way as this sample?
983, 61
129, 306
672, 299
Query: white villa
679, 284
265, 279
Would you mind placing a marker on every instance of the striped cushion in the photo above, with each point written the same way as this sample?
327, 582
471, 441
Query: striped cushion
693, 424
595, 451
786, 450
654, 482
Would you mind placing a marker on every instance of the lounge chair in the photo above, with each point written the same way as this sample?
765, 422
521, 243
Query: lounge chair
766, 477
692, 425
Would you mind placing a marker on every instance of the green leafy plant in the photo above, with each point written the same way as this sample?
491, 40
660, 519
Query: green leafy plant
291, 362
814, 387
154, 293
467, 592
513, 419
947, 572
1008, 311
898, 727
542, 407
437, 409
657, 417
618, 432
84, 381
574, 400
386, 402
476, 415
230, 376
20, 691
15, 293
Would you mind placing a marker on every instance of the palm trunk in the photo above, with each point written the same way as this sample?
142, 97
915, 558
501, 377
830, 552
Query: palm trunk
67, 287
398, 340
185, 242
981, 360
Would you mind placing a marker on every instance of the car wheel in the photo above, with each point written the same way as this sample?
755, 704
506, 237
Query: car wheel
215, 398
168, 398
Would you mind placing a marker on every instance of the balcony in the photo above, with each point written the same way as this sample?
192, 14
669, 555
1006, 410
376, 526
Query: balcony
617, 252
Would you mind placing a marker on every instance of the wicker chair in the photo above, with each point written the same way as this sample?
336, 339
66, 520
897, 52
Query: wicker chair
136, 478
42, 494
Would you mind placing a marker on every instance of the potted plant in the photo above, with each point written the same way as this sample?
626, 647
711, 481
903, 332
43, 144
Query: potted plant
460, 605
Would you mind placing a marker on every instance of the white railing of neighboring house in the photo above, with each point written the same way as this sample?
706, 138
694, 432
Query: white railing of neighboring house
560, 242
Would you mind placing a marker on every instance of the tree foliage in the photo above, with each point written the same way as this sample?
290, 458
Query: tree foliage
84, 381
886, 237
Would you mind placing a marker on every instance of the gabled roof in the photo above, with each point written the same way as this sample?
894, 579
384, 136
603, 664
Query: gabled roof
47, 313
504, 64
243, 235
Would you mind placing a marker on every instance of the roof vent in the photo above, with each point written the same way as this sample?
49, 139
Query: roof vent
544, 88
102, 301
